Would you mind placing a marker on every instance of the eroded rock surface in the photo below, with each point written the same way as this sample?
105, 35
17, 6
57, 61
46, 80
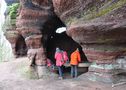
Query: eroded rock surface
36, 22
98, 26
17, 41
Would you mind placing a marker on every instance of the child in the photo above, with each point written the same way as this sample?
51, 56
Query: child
50, 65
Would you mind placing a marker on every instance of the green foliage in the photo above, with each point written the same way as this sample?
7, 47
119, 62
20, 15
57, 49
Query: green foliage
95, 12
104, 11
10, 20
70, 20
13, 10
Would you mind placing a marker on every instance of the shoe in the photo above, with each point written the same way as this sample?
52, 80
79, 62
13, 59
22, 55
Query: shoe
75, 77
60, 78
32, 65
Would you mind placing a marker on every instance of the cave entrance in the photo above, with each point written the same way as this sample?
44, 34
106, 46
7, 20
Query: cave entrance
66, 43
21, 48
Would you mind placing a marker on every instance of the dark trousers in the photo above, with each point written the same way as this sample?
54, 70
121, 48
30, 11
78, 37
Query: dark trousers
74, 71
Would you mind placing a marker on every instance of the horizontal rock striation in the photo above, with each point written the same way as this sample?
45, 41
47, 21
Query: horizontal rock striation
36, 23
97, 25
16, 40
104, 33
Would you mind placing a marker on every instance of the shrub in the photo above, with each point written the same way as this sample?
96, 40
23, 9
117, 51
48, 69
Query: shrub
13, 10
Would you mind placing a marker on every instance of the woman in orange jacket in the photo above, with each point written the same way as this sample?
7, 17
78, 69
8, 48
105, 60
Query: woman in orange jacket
75, 59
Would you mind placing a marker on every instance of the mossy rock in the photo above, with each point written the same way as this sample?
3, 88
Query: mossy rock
95, 12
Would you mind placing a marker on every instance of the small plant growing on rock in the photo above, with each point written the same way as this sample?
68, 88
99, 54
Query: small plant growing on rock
13, 10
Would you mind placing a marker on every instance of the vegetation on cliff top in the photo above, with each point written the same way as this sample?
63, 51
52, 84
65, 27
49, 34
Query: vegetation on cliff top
13, 10
11, 14
101, 12
95, 12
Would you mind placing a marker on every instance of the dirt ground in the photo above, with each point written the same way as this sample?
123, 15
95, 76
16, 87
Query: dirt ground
13, 77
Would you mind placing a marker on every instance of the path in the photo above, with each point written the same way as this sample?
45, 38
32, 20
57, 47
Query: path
11, 78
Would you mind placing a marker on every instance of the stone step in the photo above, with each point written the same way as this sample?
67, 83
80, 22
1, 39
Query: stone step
87, 64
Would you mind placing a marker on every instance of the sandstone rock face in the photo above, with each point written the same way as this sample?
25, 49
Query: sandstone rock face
102, 36
16, 40
30, 21
98, 26
40, 55
13, 37
36, 22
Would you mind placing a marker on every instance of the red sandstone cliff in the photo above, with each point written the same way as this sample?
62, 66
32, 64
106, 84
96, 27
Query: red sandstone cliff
97, 25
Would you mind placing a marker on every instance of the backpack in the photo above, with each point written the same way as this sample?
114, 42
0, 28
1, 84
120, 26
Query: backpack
65, 56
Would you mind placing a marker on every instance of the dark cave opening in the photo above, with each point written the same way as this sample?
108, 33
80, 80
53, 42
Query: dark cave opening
21, 48
66, 43
51, 40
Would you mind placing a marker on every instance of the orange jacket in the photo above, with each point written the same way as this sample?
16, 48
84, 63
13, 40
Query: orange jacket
75, 58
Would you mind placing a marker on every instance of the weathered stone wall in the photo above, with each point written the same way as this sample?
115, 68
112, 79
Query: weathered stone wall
98, 26
101, 35
10, 29
36, 23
